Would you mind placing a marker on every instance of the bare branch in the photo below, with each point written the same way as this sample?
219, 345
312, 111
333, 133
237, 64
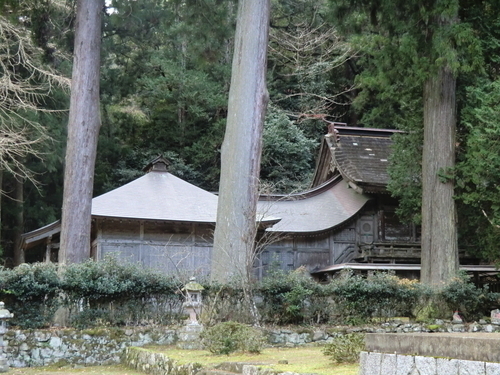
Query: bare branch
24, 86
310, 53
489, 220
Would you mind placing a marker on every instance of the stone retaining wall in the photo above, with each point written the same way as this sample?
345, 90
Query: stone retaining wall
106, 345
398, 364
85, 347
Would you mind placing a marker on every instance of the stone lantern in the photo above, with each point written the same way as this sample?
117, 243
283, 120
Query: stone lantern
193, 301
4, 315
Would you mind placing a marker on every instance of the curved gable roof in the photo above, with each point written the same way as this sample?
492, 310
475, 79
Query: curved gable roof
333, 204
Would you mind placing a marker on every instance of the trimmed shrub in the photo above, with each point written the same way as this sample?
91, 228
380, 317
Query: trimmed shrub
471, 301
292, 298
229, 337
110, 292
345, 348
31, 292
358, 300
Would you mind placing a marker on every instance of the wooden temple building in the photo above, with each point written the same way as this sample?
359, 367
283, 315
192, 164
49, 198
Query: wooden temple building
345, 220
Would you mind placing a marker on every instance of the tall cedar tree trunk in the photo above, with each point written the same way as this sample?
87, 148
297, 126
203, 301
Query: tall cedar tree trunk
83, 130
235, 231
18, 231
439, 217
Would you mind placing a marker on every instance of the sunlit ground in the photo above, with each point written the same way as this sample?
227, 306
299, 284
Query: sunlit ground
300, 360
304, 359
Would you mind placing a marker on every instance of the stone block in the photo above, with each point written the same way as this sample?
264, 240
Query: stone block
55, 342
458, 327
495, 316
425, 365
471, 367
404, 364
319, 335
447, 366
362, 362
250, 370
492, 368
388, 364
372, 364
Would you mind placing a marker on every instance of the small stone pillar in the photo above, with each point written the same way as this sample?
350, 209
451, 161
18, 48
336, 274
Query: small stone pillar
4, 315
495, 317
189, 335
193, 301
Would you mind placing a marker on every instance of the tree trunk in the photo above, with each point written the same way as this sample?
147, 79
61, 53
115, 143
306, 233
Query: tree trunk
19, 226
83, 130
439, 218
235, 231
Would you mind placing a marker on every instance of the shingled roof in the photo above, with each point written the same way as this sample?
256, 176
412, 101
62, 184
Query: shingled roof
360, 155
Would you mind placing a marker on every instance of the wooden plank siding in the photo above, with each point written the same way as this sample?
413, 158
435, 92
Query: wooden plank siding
181, 249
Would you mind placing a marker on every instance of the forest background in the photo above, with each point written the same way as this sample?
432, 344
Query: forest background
165, 76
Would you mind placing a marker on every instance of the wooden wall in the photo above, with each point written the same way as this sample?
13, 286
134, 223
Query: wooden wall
185, 249
179, 249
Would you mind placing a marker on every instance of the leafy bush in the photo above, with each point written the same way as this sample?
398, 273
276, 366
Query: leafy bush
31, 291
345, 348
111, 292
472, 302
228, 337
287, 298
382, 295
119, 294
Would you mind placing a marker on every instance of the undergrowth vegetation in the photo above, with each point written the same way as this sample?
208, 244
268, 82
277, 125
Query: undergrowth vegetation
114, 294
345, 348
229, 337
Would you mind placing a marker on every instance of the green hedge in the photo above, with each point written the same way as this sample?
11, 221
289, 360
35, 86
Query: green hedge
113, 293
92, 293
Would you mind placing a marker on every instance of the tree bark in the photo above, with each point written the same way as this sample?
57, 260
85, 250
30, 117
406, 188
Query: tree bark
83, 130
235, 231
439, 217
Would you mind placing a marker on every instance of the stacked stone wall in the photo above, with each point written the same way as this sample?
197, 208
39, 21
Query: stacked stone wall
82, 347
32, 348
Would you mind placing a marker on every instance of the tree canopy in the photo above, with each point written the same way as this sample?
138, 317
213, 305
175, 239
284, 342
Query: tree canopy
165, 75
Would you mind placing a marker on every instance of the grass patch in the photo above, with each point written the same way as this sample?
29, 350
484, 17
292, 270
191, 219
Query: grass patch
304, 359
301, 360
93, 370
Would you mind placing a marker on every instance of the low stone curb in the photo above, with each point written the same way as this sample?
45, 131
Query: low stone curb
397, 364
159, 364
156, 363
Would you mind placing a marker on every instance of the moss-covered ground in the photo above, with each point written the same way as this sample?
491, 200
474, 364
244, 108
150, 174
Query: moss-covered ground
303, 359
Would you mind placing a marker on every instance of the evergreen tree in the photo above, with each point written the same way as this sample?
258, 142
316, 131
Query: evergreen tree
235, 231
415, 52
34, 92
83, 130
